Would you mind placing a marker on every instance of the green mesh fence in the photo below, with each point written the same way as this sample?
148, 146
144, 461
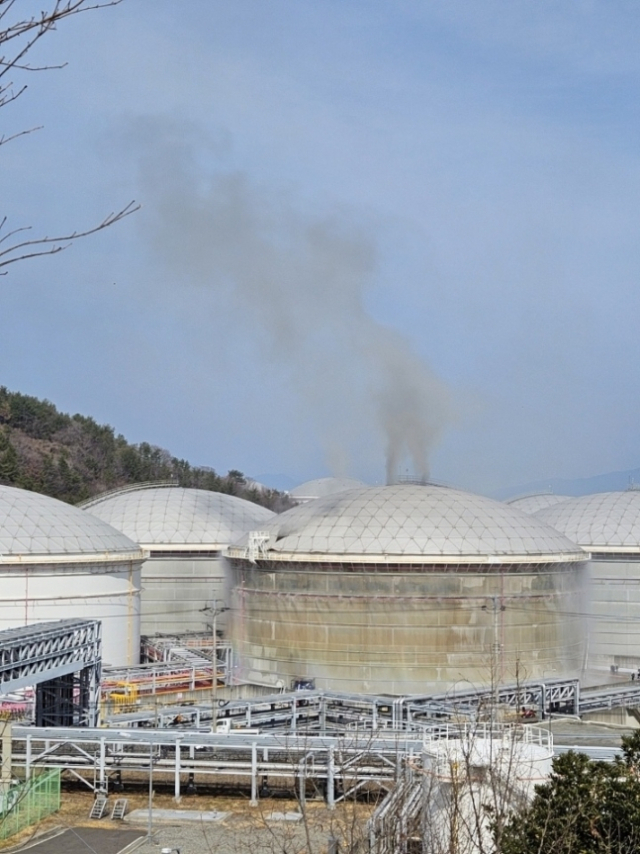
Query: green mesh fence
27, 803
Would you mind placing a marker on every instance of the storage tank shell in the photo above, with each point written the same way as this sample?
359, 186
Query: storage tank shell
184, 531
607, 524
533, 503
57, 562
406, 589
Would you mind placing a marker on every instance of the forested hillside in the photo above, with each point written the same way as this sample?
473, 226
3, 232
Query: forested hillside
72, 458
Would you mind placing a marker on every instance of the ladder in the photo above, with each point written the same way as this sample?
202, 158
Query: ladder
99, 806
119, 809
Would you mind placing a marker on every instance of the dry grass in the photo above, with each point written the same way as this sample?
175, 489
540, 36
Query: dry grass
76, 805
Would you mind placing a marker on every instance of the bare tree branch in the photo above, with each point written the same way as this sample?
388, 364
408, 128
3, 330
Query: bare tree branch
7, 95
52, 245
5, 139
18, 35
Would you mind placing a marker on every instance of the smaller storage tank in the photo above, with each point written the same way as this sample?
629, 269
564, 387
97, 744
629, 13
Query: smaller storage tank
57, 562
184, 532
607, 524
322, 486
533, 503
469, 767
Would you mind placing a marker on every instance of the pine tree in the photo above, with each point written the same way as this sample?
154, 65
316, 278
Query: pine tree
9, 461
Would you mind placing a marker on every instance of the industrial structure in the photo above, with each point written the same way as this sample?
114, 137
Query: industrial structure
607, 524
184, 532
422, 627
406, 589
314, 711
58, 562
101, 756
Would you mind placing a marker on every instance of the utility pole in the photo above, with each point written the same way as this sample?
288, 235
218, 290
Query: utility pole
496, 654
150, 815
216, 610
497, 650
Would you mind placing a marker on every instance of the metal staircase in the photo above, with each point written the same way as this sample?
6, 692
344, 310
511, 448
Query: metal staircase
119, 809
99, 806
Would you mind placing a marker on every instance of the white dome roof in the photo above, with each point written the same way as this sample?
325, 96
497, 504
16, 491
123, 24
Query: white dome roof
322, 486
170, 515
533, 503
405, 522
606, 521
37, 528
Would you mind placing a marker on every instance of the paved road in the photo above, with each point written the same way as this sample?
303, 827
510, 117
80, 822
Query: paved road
86, 840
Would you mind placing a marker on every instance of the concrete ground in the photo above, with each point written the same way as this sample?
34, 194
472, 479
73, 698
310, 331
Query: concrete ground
238, 834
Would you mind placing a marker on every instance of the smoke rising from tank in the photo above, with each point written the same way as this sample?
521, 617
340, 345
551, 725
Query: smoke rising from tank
297, 283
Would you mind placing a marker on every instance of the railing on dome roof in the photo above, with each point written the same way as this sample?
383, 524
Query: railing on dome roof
256, 545
132, 487
418, 480
534, 494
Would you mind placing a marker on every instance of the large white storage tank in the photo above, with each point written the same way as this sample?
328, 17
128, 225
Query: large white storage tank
57, 562
607, 525
406, 589
184, 531
321, 487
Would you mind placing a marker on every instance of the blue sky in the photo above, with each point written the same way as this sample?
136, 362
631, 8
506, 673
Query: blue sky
343, 202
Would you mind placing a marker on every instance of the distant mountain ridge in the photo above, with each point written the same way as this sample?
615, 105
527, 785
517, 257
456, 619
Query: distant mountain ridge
611, 482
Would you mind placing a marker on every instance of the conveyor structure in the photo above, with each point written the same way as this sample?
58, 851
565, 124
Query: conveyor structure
324, 711
175, 671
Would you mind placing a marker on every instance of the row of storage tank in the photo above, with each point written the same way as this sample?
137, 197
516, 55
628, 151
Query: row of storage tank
396, 589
